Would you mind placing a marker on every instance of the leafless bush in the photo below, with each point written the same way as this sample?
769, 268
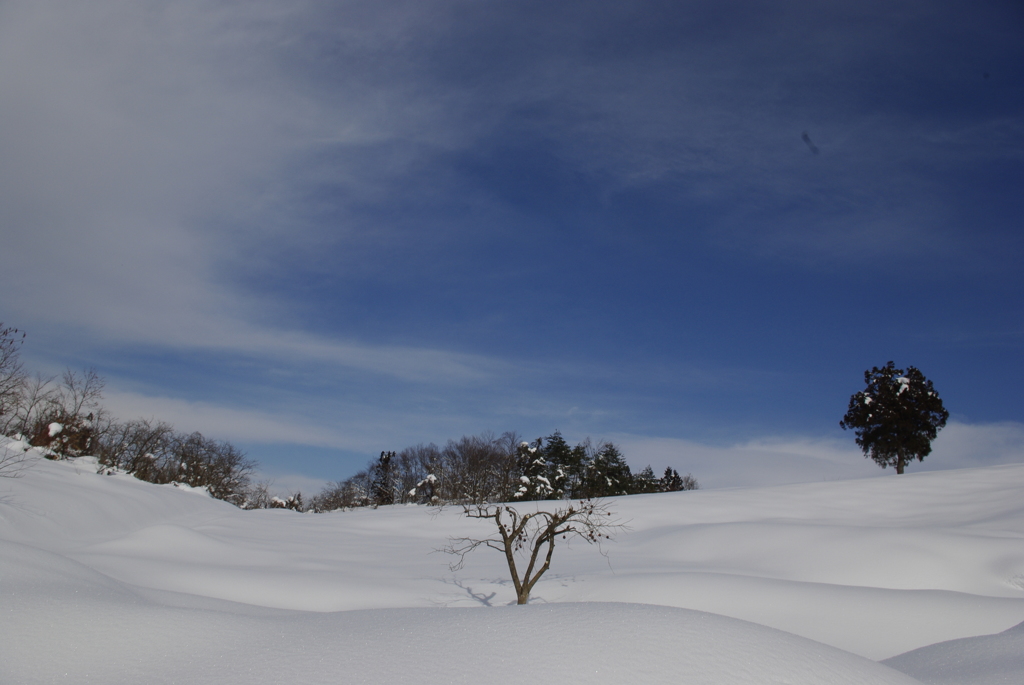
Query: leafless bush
258, 496
139, 447
219, 467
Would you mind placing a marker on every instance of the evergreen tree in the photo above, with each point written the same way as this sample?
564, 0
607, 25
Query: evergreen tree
645, 481
382, 480
579, 463
608, 474
534, 483
671, 481
564, 466
896, 416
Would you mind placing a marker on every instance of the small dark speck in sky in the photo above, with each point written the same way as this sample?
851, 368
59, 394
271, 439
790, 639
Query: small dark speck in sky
807, 139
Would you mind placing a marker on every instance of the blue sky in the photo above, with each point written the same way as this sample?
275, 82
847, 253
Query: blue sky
324, 229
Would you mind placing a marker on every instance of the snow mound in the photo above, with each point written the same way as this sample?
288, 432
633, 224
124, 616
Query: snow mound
985, 660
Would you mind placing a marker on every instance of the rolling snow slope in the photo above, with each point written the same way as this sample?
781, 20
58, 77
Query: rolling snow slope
108, 579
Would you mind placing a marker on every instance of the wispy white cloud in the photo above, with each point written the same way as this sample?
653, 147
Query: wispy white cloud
145, 150
760, 462
224, 422
405, 363
134, 135
964, 445
344, 425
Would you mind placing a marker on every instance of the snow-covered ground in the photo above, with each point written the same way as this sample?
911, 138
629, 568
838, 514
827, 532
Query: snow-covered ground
111, 580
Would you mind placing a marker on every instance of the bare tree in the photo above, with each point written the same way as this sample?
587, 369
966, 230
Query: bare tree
138, 447
34, 400
80, 393
258, 496
203, 462
530, 537
351, 492
12, 374
472, 469
13, 459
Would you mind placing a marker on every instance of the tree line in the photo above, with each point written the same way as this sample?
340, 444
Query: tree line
64, 417
485, 468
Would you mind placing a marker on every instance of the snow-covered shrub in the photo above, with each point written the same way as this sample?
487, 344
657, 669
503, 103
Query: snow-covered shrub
425, 490
293, 502
64, 436
61, 418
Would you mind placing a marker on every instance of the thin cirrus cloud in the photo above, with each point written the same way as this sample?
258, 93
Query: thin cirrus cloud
190, 117
129, 144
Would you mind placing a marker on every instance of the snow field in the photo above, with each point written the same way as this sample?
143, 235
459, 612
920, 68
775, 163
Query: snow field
108, 579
